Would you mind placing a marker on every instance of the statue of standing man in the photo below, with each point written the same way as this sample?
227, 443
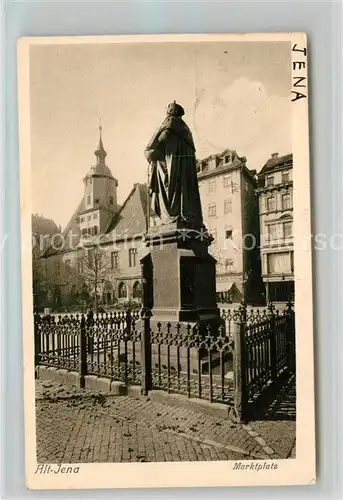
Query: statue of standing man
174, 185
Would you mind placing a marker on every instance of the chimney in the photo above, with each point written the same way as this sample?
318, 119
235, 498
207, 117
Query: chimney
275, 155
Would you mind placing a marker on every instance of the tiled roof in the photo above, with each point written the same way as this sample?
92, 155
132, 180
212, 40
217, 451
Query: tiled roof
276, 162
131, 219
71, 228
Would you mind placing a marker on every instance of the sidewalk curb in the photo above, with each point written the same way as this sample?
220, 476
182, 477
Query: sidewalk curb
267, 449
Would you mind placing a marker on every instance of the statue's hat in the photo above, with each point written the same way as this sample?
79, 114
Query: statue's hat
175, 109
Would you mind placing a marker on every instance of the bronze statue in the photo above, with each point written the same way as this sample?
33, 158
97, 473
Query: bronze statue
173, 184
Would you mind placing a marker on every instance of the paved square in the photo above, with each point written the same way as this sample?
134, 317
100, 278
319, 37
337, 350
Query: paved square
80, 425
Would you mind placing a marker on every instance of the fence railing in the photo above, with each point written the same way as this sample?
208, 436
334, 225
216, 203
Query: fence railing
231, 361
113, 346
57, 341
264, 350
189, 360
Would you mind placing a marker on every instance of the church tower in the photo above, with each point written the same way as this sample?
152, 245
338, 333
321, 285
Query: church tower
100, 195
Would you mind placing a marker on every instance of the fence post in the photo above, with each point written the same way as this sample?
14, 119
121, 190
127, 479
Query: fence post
128, 321
37, 341
89, 340
146, 352
239, 366
273, 345
83, 352
290, 337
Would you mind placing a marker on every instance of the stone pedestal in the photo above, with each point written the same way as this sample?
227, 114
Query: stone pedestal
179, 275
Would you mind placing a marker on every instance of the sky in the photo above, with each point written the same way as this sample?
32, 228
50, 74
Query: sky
236, 95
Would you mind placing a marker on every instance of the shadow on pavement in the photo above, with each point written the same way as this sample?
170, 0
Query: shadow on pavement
278, 402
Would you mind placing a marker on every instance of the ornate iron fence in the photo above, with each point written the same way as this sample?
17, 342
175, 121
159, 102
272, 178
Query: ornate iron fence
113, 343
57, 341
188, 360
265, 349
232, 361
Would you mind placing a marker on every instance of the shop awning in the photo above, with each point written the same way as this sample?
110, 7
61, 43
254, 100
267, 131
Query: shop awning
224, 286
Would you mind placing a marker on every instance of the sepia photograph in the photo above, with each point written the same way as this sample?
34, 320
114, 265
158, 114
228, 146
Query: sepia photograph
166, 288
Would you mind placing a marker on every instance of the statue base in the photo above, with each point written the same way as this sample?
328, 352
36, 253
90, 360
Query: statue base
179, 275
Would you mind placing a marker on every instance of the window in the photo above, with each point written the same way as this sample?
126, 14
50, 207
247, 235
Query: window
88, 199
211, 186
57, 268
270, 181
137, 290
287, 229
122, 291
227, 181
270, 203
82, 219
95, 216
286, 201
84, 231
212, 210
292, 261
272, 232
68, 263
228, 158
111, 200
95, 230
114, 260
227, 206
228, 265
285, 177
279, 263
133, 252
228, 234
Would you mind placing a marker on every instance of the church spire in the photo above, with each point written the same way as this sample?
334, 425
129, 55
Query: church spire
100, 153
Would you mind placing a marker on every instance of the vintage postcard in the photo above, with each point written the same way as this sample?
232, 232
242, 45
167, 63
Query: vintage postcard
166, 261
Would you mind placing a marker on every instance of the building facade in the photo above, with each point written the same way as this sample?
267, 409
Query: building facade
99, 250
230, 211
275, 193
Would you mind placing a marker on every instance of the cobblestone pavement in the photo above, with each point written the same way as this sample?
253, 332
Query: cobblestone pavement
76, 425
